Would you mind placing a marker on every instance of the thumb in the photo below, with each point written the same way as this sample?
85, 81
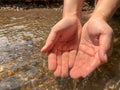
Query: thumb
105, 45
52, 38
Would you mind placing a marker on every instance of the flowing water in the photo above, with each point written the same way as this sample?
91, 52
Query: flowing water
23, 67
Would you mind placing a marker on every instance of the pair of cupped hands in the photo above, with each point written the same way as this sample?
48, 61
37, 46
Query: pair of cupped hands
77, 50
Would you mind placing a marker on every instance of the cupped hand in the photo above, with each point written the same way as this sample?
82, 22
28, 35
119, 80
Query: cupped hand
95, 43
62, 44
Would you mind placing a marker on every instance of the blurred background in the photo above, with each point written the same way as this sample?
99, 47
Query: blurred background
24, 27
44, 2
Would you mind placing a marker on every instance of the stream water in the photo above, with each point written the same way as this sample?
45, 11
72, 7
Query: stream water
23, 67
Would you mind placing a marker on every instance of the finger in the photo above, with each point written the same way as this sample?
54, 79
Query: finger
52, 61
57, 72
72, 55
51, 40
79, 61
89, 66
105, 45
65, 56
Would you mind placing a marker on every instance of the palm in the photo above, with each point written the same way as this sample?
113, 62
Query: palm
95, 42
62, 43
67, 35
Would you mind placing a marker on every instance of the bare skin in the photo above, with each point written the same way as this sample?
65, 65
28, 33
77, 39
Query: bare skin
81, 49
63, 40
95, 43
62, 44
96, 40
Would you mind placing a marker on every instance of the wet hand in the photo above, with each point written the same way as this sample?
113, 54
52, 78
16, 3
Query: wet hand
62, 44
95, 43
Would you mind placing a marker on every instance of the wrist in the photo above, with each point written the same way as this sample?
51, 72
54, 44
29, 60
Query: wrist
105, 9
71, 15
97, 18
72, 8
73, 18
100, 15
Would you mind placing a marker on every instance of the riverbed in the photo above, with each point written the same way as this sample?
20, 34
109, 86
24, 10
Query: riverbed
23, 67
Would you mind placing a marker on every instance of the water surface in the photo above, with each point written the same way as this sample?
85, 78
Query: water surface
23, 67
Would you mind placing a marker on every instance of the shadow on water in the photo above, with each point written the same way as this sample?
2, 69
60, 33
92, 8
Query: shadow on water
23, 67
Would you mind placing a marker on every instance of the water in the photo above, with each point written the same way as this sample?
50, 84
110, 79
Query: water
23, 67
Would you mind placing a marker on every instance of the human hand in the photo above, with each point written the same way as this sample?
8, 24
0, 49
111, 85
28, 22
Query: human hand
95, 43
62, 44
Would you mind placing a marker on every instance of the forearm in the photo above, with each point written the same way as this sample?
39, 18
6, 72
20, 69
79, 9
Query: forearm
72, 8
106, 8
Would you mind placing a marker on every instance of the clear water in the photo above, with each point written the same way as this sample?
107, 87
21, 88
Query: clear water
23, 67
